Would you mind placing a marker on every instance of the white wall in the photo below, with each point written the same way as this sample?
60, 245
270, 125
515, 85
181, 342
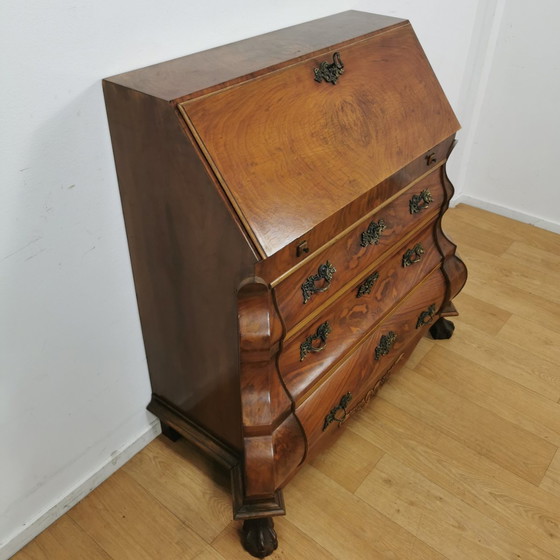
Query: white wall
512, 165
73, 377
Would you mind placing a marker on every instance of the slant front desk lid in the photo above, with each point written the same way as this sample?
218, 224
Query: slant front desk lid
290, 150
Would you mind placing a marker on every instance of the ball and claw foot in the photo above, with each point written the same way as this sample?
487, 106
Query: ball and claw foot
259, 537
442, 329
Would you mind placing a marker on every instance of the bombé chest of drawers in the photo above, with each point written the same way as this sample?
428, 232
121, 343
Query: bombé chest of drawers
283, 198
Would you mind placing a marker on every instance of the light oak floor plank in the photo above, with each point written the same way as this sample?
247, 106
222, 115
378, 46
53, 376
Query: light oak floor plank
498, 226
484, 316
334, 462
551, 481
509, 400
190, 485
514, 300
479, 482
472, 234
439, 518
512, 361
535, 338
346, 525
535, 258
129, 523
482, 430
209, 553
64, 540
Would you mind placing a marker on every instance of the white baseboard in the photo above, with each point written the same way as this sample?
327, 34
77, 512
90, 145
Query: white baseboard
507, 212
42, 521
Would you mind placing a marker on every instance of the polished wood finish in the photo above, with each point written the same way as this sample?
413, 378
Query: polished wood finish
210, 70
360, 373
456, 458
171, 207
307, 135
272, 442
351, 317
236, 190
286, 261
348, 255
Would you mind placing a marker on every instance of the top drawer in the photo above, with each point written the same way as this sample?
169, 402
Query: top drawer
309, 287
290, 151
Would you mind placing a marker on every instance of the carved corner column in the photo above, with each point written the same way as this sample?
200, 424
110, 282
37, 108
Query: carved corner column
273, 442
453, 267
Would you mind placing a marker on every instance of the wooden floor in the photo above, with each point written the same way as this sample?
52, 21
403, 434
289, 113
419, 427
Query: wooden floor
456, 458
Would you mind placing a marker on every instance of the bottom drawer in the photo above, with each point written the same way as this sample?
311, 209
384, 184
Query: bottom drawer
331, 404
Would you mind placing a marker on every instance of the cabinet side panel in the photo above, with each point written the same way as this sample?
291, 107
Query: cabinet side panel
188, 256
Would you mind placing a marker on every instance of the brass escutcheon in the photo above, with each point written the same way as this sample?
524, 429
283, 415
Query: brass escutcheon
366, 286
385, 344
329, 72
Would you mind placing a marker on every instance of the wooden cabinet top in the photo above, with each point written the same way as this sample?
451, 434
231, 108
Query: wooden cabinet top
288, 150
196, 73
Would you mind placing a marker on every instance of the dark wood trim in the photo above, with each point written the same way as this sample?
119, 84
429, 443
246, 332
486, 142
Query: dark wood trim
197, 435
243, 509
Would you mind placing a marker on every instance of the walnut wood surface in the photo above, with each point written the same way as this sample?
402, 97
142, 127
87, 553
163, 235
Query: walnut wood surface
351, 317
296, 140
286, 261
228, 64
359, 372
272, 442
188, 257
348, 255
453, 267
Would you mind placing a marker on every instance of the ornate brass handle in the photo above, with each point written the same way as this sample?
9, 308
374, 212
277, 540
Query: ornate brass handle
426, 317
365, 287
413, 255
329, 72
420, 201
338, 413
306, 346
385, 344
324, 272
372, 235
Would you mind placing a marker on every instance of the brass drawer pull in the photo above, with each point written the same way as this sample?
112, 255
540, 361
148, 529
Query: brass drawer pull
338, 413
329, 72
372, 235
431, 158
306, 346
412, 256
420, 201
385, 344
324, 272
365, 287
426, 317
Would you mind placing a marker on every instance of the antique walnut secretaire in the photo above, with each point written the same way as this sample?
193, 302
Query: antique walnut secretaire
283, 198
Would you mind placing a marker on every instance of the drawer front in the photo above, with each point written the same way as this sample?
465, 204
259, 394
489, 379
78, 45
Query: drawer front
329, 406
310, 352
309, 287
297, 253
